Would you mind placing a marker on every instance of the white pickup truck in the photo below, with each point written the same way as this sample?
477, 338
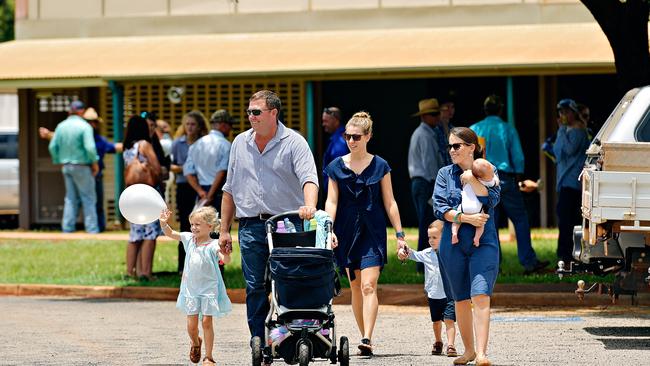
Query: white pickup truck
615, 234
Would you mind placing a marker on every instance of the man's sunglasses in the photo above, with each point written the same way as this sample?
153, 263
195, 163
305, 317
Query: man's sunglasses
457, 146
354, 137
256, 112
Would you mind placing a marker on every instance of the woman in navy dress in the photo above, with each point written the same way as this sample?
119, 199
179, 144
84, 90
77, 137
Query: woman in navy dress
359, 191
471, 270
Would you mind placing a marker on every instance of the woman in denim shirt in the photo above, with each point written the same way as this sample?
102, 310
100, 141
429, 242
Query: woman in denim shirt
471, 270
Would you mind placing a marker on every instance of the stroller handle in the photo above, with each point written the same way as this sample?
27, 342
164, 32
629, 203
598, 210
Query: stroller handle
270, 223
270, 227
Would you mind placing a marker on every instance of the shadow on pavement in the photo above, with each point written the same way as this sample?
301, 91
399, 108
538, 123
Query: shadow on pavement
626, 343
619, 331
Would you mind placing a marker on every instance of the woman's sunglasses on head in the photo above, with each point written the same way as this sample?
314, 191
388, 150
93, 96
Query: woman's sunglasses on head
354, 137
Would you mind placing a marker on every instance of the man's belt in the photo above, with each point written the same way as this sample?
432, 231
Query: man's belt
261, 217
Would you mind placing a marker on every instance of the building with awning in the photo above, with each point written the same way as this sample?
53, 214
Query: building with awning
123, 58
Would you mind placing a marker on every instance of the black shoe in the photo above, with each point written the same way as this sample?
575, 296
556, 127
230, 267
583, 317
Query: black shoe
538, 268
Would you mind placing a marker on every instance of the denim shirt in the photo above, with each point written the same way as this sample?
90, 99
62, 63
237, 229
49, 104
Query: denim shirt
447, 196
569, 148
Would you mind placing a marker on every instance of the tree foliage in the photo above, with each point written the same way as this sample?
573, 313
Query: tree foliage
6, 20
625, 23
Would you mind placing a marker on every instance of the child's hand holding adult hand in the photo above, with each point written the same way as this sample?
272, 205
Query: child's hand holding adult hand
225, 243
335, 241
402, 253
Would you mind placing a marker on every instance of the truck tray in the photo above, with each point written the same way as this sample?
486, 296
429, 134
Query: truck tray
626, 157
615, 195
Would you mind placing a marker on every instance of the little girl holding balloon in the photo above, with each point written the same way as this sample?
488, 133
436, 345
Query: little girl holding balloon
202, 288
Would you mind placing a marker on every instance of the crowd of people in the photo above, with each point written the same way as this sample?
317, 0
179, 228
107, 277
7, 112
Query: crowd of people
460, 179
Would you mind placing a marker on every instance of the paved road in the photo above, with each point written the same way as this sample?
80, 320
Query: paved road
65, 331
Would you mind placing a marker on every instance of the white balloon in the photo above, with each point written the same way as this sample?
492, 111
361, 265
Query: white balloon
141, 204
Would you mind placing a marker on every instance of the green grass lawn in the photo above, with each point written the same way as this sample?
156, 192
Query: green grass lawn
83, 262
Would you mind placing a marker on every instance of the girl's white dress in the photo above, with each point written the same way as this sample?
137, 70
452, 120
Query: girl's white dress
202, 288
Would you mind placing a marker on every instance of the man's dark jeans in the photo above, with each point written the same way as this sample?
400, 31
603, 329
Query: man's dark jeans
254, 256
512, 203
422, 193
568, 215
185, 200
99, 190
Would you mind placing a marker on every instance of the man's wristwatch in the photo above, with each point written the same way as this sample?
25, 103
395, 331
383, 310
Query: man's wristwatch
399, 235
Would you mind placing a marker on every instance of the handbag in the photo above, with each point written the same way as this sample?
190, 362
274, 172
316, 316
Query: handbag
138, 172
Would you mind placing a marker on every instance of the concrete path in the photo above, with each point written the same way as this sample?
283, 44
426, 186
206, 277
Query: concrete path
70, 331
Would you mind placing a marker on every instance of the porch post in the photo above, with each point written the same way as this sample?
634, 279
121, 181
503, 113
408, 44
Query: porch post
118, 134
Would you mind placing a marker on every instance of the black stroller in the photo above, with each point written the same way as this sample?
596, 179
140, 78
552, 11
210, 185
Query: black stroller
303, 281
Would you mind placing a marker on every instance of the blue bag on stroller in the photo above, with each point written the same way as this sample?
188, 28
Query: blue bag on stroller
304, 277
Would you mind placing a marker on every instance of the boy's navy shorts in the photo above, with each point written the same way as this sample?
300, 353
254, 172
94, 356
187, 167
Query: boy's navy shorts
442, 309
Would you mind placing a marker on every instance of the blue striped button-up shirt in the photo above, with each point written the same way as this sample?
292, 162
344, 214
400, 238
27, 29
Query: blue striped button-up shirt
207, 157
424, 153
270, 182
180, 148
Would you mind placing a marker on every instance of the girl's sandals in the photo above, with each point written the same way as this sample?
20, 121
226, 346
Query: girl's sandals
208, 362
451, 351
195, 352
465, 359
365, 348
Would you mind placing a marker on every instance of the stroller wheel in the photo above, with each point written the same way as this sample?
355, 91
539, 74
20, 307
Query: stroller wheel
303, 354
344, 351
256, 351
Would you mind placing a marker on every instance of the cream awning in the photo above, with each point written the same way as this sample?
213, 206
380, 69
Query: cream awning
456, 51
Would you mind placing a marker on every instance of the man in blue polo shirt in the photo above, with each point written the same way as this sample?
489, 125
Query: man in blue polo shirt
503, 149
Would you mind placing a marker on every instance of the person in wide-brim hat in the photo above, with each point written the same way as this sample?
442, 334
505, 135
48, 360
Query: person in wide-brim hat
427, 106
91, 115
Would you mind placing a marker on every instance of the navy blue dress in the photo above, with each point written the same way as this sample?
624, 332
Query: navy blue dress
360, 224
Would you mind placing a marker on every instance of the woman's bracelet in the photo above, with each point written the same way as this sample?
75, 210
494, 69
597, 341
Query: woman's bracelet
457, 217
399, 235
